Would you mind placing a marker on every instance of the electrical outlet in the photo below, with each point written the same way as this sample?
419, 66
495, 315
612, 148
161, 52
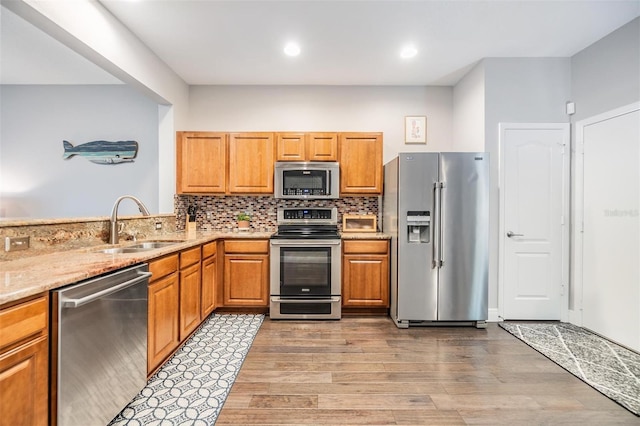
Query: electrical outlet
158, 225
209, 215
16, 243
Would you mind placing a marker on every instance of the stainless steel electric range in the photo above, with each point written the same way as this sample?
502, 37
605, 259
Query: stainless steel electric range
306, 265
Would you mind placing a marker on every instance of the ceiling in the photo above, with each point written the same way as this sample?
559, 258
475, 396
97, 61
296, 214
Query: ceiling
342, 42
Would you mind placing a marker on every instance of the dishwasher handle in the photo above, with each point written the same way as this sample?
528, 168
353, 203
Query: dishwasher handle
76, 303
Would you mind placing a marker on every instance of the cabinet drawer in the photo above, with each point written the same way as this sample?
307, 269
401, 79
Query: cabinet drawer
209, 249
366, 246
163, 266
189, 257
246, 246
23, 320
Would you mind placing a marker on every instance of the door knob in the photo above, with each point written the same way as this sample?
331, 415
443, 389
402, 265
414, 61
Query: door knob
511, 234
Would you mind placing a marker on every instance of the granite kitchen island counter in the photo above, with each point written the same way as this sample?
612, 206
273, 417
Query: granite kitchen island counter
31, 275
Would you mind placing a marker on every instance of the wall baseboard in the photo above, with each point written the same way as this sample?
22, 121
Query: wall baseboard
575, 317
493, 315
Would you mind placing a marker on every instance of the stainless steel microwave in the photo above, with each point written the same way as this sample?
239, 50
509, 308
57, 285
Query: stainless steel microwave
310, 180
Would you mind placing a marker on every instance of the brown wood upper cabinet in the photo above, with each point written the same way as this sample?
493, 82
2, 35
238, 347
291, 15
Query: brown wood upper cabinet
251, 158
360, 163
201, 162
307, 146
243, 163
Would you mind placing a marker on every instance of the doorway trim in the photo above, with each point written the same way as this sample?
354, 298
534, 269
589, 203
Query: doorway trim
565, 220
577, 266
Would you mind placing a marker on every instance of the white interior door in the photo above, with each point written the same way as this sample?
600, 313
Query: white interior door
534, 201
611, 226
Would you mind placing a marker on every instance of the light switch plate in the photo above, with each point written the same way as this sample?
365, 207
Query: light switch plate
571, 108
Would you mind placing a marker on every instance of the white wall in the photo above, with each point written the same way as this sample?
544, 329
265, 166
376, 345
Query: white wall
606, 75
520, 90
326, 108
468, 111
101, 38
36, 182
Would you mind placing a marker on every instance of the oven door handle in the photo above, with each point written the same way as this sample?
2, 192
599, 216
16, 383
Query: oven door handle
309, 242
281, 300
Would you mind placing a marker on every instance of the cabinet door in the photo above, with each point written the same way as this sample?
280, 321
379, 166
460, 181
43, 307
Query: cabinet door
365, 280
208, 295
291, 147
361, 164
246, 280
163, 321
251, 158
201, 162
189, 300
24, 389
322, 147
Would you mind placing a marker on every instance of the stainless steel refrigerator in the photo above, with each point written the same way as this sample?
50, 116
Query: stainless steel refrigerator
436, 209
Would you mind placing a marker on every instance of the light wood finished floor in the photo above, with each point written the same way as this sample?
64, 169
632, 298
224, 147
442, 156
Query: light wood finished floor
366, 371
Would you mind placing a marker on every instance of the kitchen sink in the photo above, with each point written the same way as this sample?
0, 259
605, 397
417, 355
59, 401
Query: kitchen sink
150, 245
138, 247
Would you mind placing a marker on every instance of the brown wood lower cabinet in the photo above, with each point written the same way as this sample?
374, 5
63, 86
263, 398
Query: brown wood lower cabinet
365, 273
163, 321
189, 300
246, 273
208, 296
174, 303
24, 363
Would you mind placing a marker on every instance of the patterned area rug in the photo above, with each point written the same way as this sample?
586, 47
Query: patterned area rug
192, 386
607, 367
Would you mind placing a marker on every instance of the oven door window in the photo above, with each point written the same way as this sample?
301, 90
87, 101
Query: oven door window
305, 271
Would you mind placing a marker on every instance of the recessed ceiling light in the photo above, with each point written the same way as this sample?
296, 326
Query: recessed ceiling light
408, 52
291, 49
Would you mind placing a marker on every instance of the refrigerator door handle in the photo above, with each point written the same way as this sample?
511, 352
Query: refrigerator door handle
436, 226
441, 213
438, 238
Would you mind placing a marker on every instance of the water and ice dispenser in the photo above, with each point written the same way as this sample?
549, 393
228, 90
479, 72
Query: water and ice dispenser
418, 226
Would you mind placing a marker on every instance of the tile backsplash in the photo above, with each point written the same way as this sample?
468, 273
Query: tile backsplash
215, 213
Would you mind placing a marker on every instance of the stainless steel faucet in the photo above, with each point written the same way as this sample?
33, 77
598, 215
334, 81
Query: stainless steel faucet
113, 225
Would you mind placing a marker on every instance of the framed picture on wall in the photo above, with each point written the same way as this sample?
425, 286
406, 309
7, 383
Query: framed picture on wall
415, 129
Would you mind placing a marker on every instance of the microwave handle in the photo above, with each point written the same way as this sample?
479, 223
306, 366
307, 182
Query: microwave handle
329, 183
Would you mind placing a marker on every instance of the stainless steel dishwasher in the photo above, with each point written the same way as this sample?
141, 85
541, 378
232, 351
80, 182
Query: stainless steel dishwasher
99, 333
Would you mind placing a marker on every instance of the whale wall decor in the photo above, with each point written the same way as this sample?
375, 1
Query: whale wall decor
103, 152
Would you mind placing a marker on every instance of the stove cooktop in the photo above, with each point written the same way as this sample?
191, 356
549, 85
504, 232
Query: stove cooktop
307, 223
306, 233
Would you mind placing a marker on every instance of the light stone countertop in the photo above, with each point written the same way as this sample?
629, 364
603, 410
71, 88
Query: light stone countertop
32, 275
365, 236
